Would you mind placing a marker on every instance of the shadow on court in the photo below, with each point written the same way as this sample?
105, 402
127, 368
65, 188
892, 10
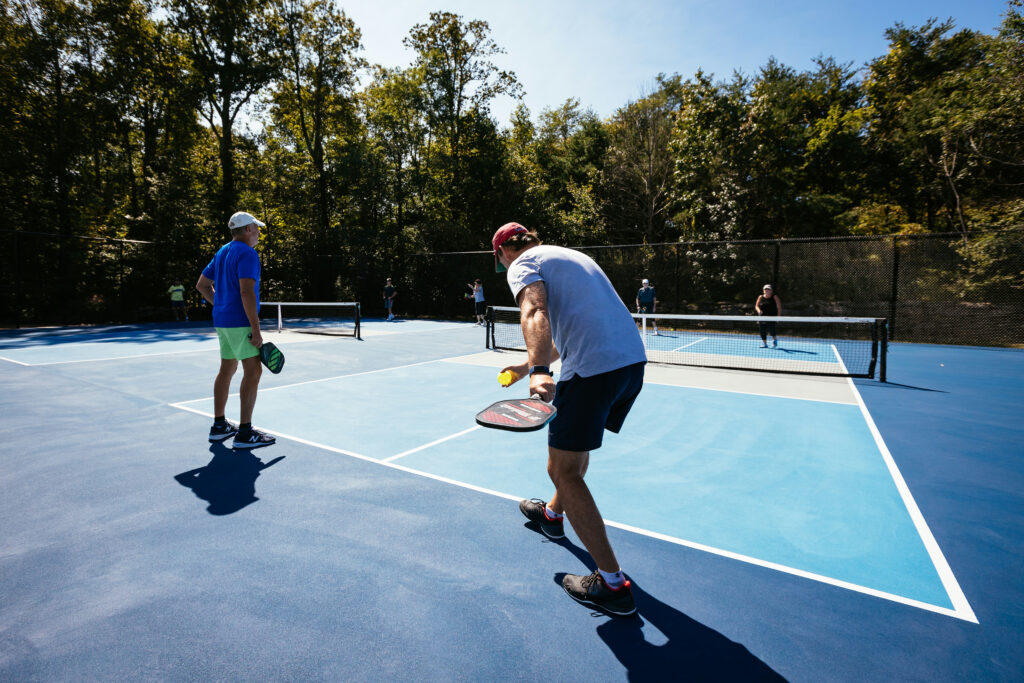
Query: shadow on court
228, 482
795, 351
701, 652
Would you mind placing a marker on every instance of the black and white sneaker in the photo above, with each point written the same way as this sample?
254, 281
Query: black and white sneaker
221, 431
253, 439
533, 510
593, 591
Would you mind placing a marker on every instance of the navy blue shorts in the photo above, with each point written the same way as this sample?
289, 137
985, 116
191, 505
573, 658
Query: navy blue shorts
589, 405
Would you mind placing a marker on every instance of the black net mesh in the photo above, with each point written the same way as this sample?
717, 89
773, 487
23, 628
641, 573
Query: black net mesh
843, 347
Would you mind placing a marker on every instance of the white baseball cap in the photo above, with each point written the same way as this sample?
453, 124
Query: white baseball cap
645, 281
242, 219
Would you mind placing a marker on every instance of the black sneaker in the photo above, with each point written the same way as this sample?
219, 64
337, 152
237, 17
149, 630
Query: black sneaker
533, 510
253, 439
592, 590
219, 432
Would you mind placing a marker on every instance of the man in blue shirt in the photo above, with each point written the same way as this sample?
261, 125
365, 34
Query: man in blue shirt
231, 283
569, 310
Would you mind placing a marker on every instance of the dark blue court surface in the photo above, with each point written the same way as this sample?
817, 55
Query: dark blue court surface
774, 527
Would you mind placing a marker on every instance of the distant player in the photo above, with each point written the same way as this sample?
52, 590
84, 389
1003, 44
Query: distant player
231, 283
390, 292
768, 304
479, 303
647, 301
177, 292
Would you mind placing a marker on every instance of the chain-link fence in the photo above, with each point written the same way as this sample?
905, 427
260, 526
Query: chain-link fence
934, 288
937, 288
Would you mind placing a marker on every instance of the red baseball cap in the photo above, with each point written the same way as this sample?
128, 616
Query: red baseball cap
501, 235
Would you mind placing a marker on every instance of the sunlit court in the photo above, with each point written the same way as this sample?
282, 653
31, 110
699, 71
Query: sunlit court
352, 340
821, 505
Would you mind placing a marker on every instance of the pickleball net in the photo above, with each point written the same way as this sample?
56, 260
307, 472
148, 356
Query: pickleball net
843, 347
338, 318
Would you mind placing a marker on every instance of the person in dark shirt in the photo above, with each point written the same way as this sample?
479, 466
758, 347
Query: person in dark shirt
389, 299
647, 301
768, 304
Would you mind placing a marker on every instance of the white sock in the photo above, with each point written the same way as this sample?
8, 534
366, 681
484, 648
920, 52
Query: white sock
551, 514
613, 579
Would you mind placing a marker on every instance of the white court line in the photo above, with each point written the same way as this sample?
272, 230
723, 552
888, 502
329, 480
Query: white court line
367, 458
16, 362
690, 344
962, 608
212, 347
314, 381
139, 355
432, 443
625, 527
745, 392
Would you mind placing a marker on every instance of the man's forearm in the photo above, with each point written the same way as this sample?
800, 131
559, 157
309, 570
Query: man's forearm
537, 334
251, 309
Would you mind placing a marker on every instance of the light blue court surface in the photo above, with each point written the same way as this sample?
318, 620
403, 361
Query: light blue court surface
739, 473
743, 345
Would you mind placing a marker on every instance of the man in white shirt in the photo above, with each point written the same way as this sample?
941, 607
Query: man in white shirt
569, 310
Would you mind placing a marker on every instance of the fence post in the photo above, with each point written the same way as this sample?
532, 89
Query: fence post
16, 303
895, 287
677, 301
120, 280
775, 266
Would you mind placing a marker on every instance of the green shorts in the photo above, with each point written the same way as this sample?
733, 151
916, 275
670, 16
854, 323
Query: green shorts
235, 344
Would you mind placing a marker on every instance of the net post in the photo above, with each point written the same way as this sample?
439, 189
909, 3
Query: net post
884, 351
358, 323
280, 322
643, 327
489, 328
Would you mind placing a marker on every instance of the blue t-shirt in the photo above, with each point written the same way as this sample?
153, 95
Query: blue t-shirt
591, 327
646, 296
233, 261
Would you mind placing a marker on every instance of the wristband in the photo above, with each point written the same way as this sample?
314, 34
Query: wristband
542, 369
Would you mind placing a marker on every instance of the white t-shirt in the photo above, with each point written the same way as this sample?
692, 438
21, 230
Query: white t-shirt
591, 327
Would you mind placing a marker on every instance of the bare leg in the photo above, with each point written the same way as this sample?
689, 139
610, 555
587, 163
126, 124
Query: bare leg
222, 385
251, 372
572, 496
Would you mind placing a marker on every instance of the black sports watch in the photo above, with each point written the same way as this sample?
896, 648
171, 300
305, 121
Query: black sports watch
542, 369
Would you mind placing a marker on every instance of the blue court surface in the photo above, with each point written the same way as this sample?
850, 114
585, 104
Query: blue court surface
774, 527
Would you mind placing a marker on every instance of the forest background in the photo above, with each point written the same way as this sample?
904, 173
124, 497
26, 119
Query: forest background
120, 124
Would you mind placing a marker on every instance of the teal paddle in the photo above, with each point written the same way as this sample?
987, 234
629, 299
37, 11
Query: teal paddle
272, 357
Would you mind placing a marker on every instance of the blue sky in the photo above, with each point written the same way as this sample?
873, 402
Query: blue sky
608, 53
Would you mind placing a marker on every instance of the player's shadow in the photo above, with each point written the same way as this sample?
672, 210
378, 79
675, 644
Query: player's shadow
228, 481
795, 351
700, 651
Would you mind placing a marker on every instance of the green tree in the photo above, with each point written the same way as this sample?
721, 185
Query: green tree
314, 102
459, 81
639, 168
232, 46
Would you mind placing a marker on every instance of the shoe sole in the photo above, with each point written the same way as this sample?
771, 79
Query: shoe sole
225, 437
603, 608
253, 445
